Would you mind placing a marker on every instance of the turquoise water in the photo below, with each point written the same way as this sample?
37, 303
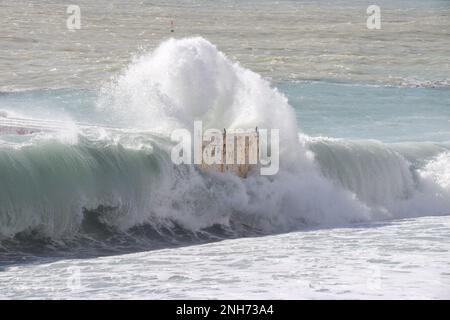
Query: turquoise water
388, 114
351, 111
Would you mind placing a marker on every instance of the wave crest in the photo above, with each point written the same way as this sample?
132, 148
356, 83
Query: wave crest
127, 179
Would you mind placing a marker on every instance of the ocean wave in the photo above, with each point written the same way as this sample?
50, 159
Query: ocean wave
414, 83
123, 179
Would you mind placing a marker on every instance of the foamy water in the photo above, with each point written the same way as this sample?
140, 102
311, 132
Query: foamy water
396, 260
356, 157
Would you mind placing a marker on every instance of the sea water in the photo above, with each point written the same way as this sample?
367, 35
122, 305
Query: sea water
359, 208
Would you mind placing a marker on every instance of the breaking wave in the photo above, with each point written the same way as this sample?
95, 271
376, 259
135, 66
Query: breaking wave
123, 178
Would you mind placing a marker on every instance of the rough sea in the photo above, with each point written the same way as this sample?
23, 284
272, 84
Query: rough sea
95, 208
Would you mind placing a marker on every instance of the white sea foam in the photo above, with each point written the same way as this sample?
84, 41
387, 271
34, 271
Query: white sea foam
438, 170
